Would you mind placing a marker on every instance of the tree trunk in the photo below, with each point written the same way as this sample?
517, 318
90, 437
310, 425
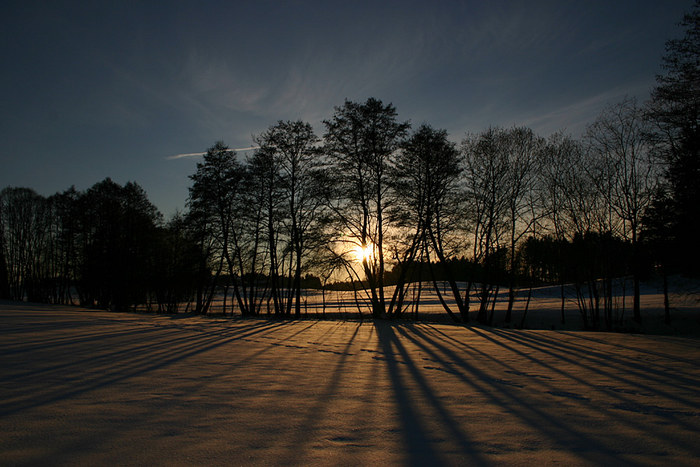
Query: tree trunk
527, 307
636, 306
563, 316
511, 300
667, 308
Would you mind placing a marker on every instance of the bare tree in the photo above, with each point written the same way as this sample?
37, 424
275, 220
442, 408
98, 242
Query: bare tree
5, 291
64, 235
565, 193
522, 147
486, 179
426, 185
212, 202
294, 158
24, 227
626, 179
361, 141
262, 209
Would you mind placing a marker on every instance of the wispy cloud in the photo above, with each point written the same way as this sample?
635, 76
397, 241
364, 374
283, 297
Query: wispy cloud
575, 116
197, 154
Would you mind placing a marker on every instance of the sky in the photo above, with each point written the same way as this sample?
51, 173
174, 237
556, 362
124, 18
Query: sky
90, 90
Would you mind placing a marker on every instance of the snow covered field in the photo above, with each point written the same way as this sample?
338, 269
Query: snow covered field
100, 388
544, 311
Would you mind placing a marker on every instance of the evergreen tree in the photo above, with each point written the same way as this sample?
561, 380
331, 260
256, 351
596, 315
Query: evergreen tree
675, 111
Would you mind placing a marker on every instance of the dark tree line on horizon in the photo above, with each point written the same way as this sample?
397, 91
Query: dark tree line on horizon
373, 203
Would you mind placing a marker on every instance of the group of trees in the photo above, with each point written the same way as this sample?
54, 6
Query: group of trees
378, 204
257, 221
105, 247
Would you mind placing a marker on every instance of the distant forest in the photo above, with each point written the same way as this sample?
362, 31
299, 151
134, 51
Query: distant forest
374, 203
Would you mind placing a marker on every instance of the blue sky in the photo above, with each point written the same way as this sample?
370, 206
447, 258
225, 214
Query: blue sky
89, 91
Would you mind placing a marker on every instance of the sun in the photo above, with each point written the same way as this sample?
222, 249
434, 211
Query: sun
364, 253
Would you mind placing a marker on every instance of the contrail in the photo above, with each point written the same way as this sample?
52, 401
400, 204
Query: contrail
195, 154
180, 156
246, 149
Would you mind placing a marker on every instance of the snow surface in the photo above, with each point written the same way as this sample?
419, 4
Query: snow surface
100, 388
544, 311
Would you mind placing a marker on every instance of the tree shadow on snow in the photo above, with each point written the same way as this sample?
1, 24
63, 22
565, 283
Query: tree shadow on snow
531, 374
420, 443
93, 363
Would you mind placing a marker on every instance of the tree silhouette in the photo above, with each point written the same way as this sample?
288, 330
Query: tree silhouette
625, 176
4, 278
24, 233
175, 263
487, 185
291, 154
658, 236
675, 110
425, 181
64, 254
522, 213
213, 199
116, 234
361, 140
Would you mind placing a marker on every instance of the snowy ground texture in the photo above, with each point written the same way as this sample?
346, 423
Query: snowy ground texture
544, 311
100, 388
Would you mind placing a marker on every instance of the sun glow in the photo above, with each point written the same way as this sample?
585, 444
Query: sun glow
364, 252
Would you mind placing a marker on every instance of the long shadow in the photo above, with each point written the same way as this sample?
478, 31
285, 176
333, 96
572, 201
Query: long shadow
608, 365
625, 370
569, 354
309, 427
263, 328
272, 342
515, 399
137, 343
417, 438
96, 354
291, 336
476, 353
25, 346
599, 356
131, 363
611, 410
685, 342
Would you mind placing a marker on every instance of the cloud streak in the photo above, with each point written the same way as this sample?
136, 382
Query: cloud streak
197, 154
574, 117
182, 156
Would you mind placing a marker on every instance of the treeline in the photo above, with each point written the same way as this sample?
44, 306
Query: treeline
105, 247
373, 202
